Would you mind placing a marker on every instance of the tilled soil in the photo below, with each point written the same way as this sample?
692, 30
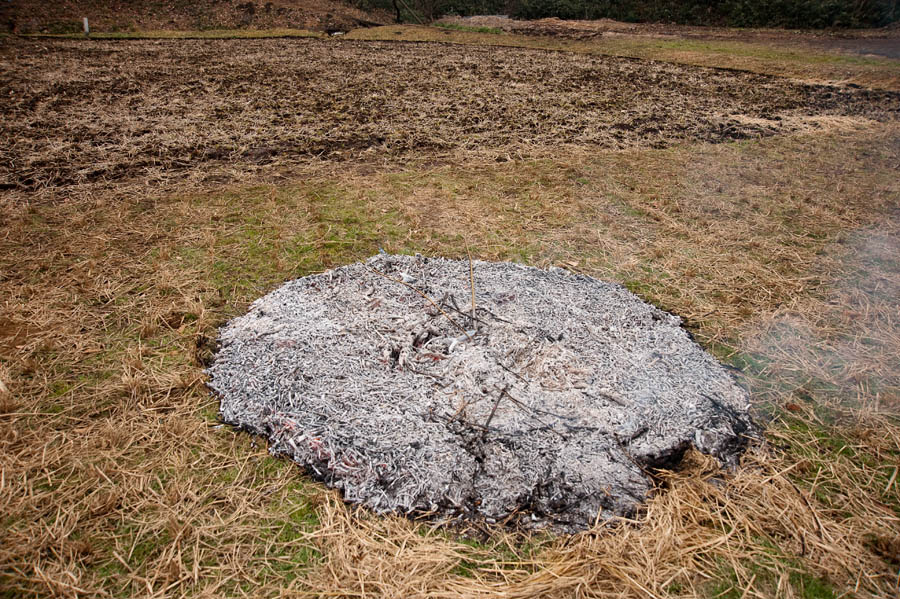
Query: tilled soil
77, 111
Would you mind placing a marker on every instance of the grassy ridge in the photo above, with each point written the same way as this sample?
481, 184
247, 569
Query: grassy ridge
795, 14
784, 59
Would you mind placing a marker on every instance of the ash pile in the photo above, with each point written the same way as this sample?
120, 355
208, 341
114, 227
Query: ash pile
547, 405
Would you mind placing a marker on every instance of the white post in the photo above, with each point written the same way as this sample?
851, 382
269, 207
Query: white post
87, 29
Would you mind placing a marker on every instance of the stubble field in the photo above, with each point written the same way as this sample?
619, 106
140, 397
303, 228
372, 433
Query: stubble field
149, 190
79, 113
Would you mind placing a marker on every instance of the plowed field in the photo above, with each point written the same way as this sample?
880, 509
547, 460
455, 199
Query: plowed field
76, 112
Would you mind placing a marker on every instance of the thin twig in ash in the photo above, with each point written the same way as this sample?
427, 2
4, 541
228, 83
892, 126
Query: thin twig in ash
453, 306
530, 411
487, 424
494, 316
422, 293
471, 283
527, 382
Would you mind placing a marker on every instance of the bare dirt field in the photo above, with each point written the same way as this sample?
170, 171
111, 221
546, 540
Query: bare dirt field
80, 112
150, 190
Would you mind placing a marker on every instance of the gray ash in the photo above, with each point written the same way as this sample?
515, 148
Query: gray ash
552, 403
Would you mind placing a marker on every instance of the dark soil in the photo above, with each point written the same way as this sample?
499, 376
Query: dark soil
84, 111
886, 47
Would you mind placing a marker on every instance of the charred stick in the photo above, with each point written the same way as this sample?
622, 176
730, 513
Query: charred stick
494, 409
422, 293
456, 309
530, 411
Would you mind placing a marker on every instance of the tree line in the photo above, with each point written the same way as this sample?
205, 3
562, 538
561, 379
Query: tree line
792, 14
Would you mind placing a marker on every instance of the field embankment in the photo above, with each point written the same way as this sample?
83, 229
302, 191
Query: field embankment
34, 16
794, 14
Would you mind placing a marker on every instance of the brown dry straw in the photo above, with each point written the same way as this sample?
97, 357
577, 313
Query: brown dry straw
123, 249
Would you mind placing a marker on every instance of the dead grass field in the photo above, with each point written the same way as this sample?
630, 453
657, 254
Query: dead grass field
151, 190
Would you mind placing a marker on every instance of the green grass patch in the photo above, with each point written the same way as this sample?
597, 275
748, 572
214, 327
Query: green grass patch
763, 51
764, 573
137, 547
824, 445
273, 234
458, 27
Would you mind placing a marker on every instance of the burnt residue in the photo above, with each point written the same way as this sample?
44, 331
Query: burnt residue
552, 408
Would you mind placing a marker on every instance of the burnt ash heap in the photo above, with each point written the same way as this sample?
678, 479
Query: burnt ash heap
552, 403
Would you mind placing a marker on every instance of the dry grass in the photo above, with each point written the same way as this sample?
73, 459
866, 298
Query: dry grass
781, 253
